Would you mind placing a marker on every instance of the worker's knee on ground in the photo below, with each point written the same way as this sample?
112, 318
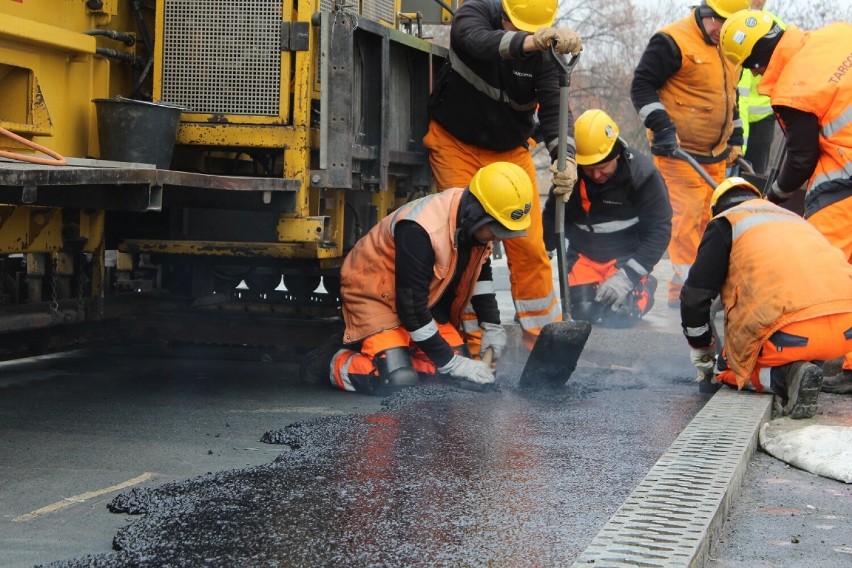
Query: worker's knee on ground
395, 368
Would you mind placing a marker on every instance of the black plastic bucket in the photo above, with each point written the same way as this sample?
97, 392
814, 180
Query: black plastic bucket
137, 131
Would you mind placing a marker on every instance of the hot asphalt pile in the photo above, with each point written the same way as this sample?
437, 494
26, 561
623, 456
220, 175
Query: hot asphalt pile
442, 477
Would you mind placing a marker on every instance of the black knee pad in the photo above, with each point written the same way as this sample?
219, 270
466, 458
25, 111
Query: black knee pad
395, 369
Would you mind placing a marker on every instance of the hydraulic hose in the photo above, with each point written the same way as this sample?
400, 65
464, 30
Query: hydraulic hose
122, 56
128, 39
58, 160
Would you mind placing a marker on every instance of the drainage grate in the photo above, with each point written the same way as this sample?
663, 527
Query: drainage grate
676, 512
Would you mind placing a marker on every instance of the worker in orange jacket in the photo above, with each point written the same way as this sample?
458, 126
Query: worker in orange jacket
406, 283
482, 110
781, 311
814, 114
684, 90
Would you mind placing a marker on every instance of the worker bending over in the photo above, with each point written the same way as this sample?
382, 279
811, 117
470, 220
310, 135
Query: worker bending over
482, 110
808, 78
406, 283
618, 222
685, 92
787, 295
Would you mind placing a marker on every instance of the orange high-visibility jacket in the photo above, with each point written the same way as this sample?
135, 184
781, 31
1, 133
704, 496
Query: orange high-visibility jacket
368, 275
781, 270
700, 98
812, 72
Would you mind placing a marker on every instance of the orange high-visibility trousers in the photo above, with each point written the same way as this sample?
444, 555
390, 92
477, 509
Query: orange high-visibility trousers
690, 198
355, 371
827, 337
835, 223
454, 163
587, 271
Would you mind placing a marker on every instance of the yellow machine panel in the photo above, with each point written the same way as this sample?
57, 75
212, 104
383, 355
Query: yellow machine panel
299, 126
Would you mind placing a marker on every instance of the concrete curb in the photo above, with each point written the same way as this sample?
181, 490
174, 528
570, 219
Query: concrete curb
677, 511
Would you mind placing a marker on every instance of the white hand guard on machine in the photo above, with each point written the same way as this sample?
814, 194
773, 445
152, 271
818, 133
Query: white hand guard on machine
615, 289
468, 370
493, 336
563, 182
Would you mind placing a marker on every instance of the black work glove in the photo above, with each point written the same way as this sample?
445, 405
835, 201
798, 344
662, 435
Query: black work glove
665, 142
775, 195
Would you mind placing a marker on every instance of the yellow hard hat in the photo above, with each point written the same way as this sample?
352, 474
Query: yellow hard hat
742, 31
506, 193
726, 8
530, 15
595, 133
726, 186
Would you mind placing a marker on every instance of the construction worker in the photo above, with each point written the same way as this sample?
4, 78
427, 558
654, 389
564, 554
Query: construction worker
756, 114
482, 110
813, 113
406, 283
685, 92
782, 310
618, 222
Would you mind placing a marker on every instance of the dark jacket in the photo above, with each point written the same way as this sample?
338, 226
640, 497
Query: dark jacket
488, 90
629, 217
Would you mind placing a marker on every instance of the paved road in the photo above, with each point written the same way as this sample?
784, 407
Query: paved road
75, 428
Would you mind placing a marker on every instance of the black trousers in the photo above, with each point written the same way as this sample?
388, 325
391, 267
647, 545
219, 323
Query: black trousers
760, 136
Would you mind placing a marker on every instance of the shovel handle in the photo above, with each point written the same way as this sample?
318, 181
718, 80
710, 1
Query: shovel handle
680, 154
745, 165
488, 357
564, 69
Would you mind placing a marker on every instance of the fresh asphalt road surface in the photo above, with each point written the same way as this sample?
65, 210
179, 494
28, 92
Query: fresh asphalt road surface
434, 476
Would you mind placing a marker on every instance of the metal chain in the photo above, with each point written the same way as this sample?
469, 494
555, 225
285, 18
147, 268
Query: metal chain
54, 301
81, 313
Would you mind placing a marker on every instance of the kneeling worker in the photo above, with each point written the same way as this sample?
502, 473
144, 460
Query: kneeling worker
406, 283
618, 221
787, 295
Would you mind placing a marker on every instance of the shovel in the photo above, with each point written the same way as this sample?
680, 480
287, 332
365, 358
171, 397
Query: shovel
559, 345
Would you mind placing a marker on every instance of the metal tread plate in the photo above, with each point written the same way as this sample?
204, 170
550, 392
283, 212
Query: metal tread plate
676, 511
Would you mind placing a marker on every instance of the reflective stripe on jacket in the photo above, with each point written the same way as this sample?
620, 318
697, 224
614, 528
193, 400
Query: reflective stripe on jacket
629, 218
700, 97
812, 72
781, 270
368, 275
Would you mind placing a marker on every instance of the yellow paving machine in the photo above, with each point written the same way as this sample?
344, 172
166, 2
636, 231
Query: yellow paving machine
171, 167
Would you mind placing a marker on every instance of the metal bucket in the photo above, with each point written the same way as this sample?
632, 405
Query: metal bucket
137, 131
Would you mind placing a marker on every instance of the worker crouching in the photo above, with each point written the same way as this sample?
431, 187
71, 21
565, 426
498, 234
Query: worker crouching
787, 296
618, 222
405, 285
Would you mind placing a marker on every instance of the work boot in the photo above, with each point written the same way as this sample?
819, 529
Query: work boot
840, 383
651, 288
797, 386
315, 368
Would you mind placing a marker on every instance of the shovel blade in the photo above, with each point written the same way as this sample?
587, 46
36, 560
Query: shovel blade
555, 354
